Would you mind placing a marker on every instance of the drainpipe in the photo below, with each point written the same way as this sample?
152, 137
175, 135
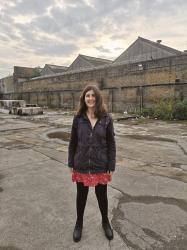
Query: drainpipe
141, 97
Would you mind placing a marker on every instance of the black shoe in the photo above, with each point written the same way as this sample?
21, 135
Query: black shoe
108, 230
77, 233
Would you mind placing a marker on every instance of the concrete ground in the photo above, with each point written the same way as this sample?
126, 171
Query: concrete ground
147, 197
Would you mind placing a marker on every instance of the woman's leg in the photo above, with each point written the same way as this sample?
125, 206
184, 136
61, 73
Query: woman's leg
82, 193
101, 194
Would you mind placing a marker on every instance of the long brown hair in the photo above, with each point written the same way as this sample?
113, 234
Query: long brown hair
100, 107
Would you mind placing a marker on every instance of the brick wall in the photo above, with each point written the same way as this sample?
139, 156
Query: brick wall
128, 98
6, 84
124, 87
165, 70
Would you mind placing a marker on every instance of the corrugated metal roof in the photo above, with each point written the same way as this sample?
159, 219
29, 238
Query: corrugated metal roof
143, 49
83, 61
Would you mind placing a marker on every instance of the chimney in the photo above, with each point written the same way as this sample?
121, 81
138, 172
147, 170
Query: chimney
159, 41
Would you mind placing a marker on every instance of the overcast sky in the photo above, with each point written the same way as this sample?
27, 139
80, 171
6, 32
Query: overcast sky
35, 32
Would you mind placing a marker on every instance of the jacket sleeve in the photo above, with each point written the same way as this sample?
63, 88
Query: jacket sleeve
72, 143
111, 146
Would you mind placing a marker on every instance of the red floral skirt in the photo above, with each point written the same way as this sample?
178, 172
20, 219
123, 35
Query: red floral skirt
91, 180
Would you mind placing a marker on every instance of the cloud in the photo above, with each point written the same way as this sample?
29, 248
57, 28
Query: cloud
61, 29
27, 6
102, 49
50, 47
3, 38
74, 21
45, 45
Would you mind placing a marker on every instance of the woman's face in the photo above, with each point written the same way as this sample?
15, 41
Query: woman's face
90, 99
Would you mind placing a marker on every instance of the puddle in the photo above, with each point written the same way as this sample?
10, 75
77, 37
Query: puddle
65, 136
175, 165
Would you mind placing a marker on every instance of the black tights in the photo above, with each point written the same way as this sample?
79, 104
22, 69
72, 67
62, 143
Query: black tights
101, 194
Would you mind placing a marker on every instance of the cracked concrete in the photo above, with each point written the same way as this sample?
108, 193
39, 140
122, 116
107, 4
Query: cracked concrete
147, 197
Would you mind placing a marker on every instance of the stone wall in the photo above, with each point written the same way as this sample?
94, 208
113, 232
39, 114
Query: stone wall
6, 85
124, 86
117, 99
22, 74
160, 71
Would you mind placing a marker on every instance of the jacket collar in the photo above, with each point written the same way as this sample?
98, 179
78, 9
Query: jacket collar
84, 115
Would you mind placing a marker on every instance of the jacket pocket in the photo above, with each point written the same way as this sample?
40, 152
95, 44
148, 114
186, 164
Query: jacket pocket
100, 156
103, 155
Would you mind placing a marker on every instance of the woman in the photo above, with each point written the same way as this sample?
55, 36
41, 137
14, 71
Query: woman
91, 156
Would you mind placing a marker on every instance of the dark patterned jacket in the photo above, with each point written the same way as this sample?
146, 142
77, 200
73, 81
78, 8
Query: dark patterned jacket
92, 150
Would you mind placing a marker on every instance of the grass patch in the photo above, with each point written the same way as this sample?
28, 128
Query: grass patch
168, 110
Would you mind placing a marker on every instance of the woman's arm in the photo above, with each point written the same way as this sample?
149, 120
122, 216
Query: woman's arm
72, 143
111, 145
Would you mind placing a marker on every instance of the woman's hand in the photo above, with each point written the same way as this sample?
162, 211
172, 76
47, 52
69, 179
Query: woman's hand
110, 172
71, 170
